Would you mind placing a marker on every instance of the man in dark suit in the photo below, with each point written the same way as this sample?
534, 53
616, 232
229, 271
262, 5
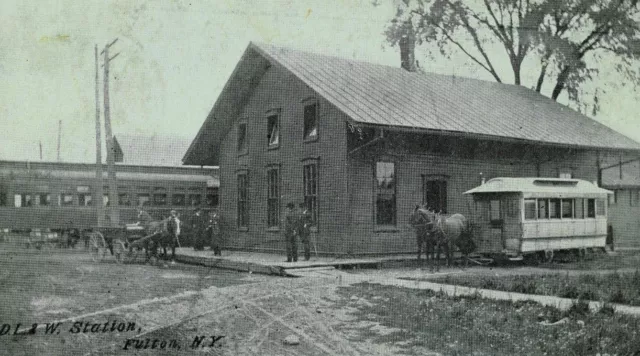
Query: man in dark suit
304, 229
213, 230
198, 226
289, 222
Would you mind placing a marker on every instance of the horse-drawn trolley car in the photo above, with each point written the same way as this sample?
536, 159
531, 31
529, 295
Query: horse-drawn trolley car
535, 217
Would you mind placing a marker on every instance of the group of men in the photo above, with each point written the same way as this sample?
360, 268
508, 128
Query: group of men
207, 229
297, 223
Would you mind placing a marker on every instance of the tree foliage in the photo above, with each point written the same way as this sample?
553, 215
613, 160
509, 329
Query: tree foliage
567, 39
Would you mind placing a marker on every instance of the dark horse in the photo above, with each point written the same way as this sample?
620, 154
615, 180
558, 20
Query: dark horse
442, 233
423, 224
160, 233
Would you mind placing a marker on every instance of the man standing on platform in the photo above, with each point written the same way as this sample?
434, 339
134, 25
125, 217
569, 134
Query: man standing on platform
304, 229
289, 222
198, 225
214, 230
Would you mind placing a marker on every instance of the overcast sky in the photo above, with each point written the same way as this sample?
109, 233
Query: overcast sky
175, 57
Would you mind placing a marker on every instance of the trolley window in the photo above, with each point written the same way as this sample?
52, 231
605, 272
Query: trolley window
567, 208
494, 210
195, 199
543, 211
123, 199
143, 199
530, 209
43, 199
554, 208
600, 207
579, 208
84, 199
591, 208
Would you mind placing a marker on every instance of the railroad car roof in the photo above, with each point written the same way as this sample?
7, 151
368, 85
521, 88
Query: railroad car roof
373, 94
135, 176
553, 186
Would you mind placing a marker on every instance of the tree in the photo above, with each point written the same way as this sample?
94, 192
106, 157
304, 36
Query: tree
567, 39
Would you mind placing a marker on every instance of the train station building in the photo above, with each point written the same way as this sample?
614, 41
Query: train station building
361, 144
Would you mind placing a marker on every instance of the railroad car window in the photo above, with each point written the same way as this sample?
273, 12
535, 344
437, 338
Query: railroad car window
17, 200
3, 199
159, 198
42, 199
273, 198
195, 199
530, 209
310, 184
567, 208
143, 199
543, 210
273, 130
123, 199
212, 196
178, 200
591, 208
600, 207
579, 208
634, 197
65, 200
385, 193
310, 121
84, 199
243, 201
554, 208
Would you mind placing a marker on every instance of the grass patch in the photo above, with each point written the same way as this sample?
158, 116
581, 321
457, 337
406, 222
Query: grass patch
475, 326
614, 287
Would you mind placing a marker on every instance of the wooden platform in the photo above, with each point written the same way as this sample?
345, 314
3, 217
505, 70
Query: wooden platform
266, 263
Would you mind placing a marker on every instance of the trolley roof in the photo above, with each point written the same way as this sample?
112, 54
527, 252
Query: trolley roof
540, 187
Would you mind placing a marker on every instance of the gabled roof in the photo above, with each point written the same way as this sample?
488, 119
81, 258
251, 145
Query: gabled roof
156, 150
373, 94
539, 186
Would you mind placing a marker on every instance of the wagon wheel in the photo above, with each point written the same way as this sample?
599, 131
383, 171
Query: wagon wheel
97, 246
120, 251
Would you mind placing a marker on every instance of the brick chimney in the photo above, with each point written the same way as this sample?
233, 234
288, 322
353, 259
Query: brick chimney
407, 48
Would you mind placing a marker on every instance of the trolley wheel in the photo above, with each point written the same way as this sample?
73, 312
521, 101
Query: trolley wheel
97, 246
120, 251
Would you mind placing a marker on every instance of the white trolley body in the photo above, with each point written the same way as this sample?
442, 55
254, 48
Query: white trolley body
519, 216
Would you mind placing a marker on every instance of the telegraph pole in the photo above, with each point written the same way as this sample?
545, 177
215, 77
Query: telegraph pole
99, 180
59, 137
113, 193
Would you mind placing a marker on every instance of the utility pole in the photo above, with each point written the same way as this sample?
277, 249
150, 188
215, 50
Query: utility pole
60, 132
99, 179
113, 193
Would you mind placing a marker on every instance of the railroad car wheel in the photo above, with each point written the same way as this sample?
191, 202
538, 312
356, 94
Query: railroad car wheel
119, 251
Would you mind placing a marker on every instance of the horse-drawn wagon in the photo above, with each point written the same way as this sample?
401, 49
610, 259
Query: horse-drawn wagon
130, 242
535, 217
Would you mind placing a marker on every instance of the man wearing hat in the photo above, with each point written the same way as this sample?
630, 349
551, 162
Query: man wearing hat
304, 229
173, 225
289, 222
213, 230
198, 226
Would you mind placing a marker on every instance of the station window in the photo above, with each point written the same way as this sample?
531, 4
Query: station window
22, 200
273, 129
613, 198
242, 137
105, 200
600, 208
43, 199
243, 201
434, 193
567, 208
84, 199
273, 198
310, 122
385, 181
579, 208
530, 209
591, 208
178, 199
65, 199
543, 209
634, 197
310, 184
